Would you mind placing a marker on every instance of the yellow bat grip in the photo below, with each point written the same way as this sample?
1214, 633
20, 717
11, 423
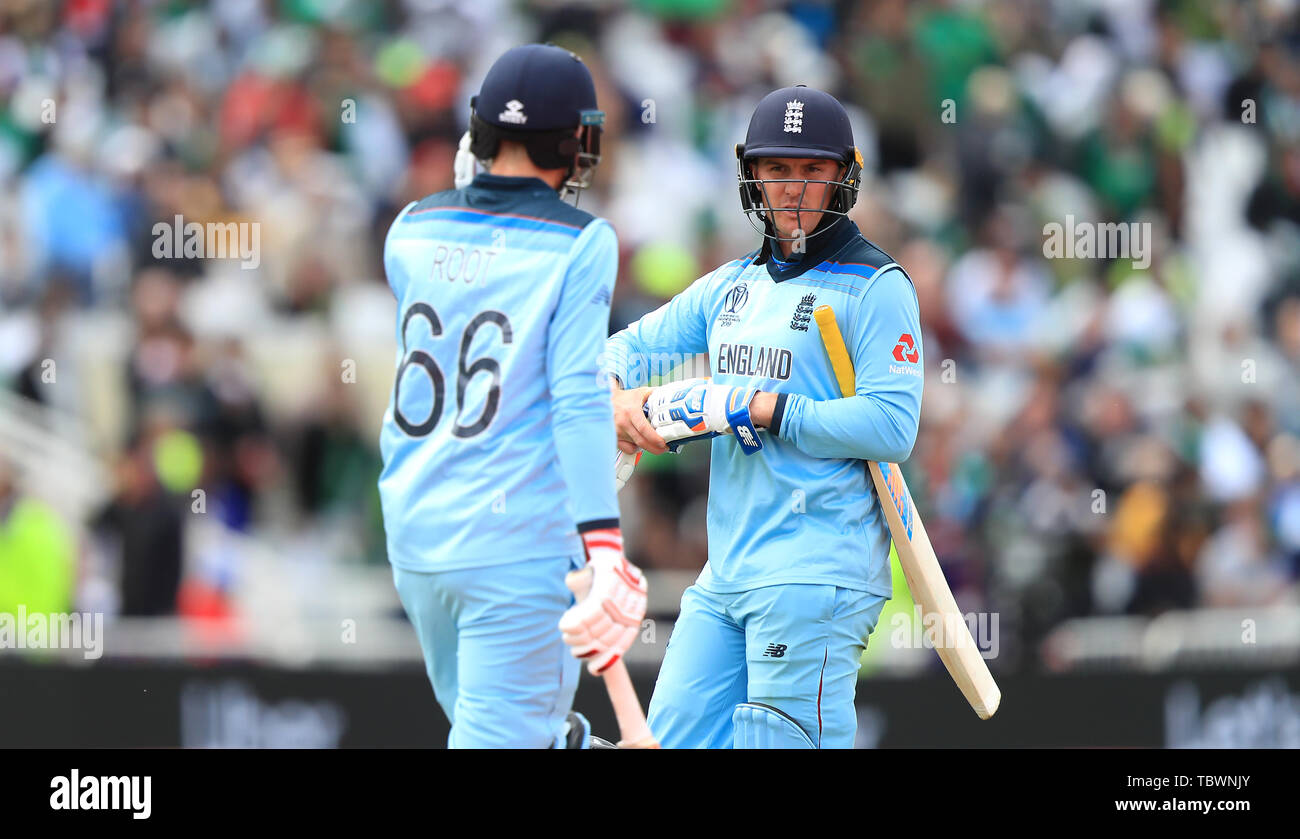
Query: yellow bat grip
835, 349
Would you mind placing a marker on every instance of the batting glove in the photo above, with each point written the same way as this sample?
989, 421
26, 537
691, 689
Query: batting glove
465, 166
697, 409
611, 594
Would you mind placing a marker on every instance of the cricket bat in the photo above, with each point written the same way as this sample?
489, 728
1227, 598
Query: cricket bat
948, 631
624, 464
633, 731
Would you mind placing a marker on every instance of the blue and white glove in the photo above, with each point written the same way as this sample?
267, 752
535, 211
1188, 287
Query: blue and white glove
697, 409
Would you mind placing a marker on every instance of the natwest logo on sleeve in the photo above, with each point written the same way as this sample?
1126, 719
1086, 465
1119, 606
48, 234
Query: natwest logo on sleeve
905, 349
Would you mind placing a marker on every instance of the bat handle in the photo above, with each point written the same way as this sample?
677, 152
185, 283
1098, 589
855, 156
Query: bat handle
624, 464
632, 727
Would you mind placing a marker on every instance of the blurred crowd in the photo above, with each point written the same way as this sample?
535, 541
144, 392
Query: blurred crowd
1097, 437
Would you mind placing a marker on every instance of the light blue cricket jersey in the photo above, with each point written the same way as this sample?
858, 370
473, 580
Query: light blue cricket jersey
802, 510
498, 440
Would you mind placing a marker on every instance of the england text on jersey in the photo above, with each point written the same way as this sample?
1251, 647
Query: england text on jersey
750, 360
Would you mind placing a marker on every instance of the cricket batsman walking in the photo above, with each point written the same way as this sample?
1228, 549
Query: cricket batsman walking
767, 647
498, 412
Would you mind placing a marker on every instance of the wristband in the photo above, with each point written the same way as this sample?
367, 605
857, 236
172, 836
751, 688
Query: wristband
603, 539
742, 424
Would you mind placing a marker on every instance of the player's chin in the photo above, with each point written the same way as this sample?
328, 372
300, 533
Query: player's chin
790, 224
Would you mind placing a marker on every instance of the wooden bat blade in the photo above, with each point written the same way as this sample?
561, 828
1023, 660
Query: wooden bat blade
950, 635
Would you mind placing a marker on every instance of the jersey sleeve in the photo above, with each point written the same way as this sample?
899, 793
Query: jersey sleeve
661, 340
881, 420
393, 268
582, 422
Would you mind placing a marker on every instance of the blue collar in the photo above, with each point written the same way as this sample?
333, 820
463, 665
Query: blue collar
822, 247
510, 183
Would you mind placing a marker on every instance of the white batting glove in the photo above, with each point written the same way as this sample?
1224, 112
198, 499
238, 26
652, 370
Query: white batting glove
465, 166
624, 466
611, 594
697, 409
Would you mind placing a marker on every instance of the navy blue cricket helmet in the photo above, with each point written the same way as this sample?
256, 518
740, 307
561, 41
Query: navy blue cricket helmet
537, 94
798, 122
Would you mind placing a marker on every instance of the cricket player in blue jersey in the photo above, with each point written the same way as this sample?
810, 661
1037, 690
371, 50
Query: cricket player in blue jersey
766, 650
498, 412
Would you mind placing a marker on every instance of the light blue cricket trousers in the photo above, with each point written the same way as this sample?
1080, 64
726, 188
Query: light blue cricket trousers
794, 647
493, 650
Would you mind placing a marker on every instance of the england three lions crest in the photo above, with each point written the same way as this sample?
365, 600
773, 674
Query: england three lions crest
794, 117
